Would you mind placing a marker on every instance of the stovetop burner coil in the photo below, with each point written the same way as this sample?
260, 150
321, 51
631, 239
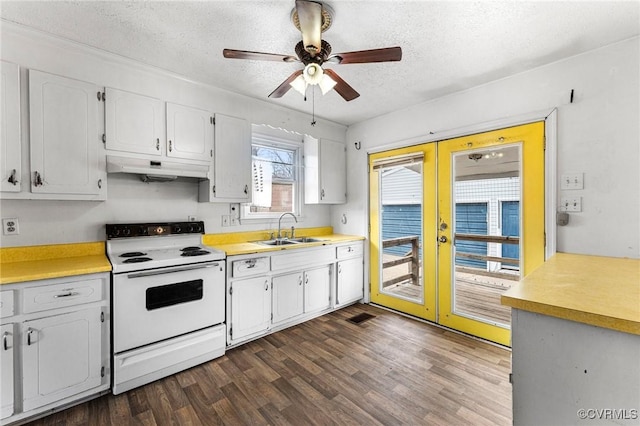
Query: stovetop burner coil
191, 248
133, 254
137, 260
198, 252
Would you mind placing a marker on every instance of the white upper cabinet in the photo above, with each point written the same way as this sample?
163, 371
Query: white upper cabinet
325, 171
65, 141
134, 123
231, 180
10, 152
189, 133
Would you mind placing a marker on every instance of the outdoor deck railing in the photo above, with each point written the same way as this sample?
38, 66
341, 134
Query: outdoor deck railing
412, 257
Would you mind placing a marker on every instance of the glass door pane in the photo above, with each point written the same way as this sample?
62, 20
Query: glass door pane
486, 201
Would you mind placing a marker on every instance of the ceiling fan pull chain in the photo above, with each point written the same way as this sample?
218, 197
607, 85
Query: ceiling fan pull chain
313, 106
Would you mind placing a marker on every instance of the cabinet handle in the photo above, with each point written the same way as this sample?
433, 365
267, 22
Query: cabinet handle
67, 294
299, 279
12, 179
266, 286
37, 179
170, 147
339, 269
246, 189
322, 194
306, 279
5, 339
99, 183
29, 331
158, 144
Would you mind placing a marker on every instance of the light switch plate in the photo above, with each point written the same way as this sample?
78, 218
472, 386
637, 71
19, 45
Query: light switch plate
572, 181
571, 204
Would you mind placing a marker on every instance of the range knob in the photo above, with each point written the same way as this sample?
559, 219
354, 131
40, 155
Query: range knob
126, 232
176, 229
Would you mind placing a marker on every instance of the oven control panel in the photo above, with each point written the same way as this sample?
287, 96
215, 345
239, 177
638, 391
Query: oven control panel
126, 230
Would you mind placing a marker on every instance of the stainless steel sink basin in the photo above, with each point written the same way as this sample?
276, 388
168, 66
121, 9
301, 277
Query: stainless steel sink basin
306, 240
286, 242
276, 242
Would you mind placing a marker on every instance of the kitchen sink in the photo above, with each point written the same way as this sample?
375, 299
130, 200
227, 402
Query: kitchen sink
276, 242
306, 240
286, 242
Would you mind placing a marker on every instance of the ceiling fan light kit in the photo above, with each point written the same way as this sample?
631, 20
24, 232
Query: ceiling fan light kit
312, 18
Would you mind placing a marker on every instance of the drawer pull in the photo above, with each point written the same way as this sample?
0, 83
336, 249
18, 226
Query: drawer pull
5, 338
67, 294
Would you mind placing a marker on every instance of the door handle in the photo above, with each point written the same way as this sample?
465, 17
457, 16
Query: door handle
443, 239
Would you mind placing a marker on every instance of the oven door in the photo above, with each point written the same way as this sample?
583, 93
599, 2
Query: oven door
150, 306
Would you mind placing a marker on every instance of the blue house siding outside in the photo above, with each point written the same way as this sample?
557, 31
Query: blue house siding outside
400, 221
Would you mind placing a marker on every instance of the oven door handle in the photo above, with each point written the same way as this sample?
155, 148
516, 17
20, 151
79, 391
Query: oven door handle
170, 271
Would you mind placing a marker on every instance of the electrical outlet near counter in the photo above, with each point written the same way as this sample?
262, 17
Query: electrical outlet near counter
10, 226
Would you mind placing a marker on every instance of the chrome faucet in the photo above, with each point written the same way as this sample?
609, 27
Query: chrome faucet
280, 223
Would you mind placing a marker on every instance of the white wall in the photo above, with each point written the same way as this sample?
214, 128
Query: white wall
51, 222
598, 134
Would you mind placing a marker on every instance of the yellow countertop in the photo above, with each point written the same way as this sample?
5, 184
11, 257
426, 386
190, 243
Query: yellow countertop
594, 290
20, 264
244, 242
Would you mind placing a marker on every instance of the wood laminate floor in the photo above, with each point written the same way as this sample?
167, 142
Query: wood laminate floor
389, 370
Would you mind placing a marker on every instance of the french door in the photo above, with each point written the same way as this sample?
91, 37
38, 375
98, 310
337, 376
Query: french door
456, 223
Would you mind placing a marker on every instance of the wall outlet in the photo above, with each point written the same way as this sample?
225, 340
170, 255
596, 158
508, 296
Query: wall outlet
571, 204
10, 226
233, 221
225, 220
572, 181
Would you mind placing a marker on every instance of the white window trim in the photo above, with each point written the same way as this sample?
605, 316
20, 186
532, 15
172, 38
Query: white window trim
278, 138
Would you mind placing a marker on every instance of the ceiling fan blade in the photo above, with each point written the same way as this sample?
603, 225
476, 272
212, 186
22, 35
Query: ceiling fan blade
387, 54
343, 89
257, 56
310, 19
285, 86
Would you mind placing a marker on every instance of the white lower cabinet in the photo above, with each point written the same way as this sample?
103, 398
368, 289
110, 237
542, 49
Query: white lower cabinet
317, 289
350, 274
249, 307
60, 352
287, 296
6, 370
269, 292
60, 356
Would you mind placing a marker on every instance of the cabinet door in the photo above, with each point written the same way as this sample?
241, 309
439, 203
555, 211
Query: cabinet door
350, 283
232, 159
6, 371
250, 307
317, 289
134, 123
325, 171
189, 133
10, 152
64, 136
288, 297
333, 172
62, 356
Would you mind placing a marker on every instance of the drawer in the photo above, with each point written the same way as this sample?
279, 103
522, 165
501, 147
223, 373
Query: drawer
6, 303
351, 250
302, 258
54, 296
247, 267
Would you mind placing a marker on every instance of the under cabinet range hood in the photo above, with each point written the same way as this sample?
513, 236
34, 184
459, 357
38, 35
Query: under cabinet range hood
155, 171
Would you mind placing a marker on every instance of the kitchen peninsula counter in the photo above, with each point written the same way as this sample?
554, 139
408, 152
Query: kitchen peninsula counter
21, 264
575, 337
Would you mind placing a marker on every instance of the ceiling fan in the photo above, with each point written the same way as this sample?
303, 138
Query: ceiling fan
312, 18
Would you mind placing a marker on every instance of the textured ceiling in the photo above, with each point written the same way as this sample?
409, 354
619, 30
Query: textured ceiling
447, 46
